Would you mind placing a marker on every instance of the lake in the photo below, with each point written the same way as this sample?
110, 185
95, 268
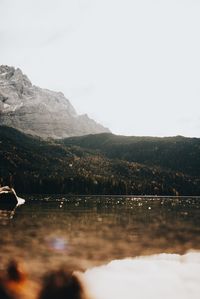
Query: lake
83, 232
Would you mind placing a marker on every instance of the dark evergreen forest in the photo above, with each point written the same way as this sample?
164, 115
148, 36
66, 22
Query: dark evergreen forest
100, 164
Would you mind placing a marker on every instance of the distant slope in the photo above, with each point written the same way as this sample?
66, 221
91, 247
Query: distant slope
33, 165
37, 111
174, 153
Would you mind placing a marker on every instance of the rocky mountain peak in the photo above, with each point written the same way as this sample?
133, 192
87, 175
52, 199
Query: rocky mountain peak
38, 111
6, 72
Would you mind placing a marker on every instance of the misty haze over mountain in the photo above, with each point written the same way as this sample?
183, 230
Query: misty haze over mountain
38, 111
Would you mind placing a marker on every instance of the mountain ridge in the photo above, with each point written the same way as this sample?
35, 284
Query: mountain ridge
37, 111
177, 152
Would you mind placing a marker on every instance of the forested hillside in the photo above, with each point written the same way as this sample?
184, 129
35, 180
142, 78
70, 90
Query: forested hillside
175, 153
99, 164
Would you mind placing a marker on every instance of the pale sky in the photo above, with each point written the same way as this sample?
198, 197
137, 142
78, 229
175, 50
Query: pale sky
133, 66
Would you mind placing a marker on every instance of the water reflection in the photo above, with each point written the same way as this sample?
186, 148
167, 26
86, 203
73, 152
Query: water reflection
88, 231
7, 211
158, 276
6, 215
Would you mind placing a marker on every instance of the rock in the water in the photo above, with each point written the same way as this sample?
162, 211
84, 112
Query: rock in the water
38, 111
9, 199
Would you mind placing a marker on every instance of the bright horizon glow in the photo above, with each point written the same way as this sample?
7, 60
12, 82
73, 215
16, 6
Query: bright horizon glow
133, 66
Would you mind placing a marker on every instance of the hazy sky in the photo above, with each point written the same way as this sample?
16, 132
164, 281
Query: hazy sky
133, 66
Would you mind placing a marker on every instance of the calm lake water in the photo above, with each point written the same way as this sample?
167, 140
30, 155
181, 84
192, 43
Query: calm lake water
83, 232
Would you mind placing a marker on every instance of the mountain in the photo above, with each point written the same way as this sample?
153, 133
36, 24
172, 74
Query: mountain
37, 111
33, 165
175, 153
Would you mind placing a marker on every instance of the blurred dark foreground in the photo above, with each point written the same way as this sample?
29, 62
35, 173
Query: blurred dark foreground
60, 284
